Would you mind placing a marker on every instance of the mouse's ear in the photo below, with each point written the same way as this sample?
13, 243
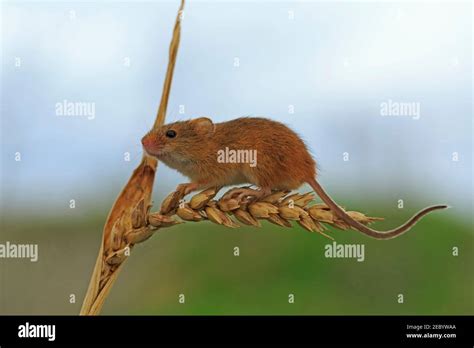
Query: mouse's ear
203, 125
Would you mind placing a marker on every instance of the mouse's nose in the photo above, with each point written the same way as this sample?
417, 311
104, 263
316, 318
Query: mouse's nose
147, 141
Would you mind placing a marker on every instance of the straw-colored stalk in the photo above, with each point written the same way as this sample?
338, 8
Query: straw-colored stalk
138, 189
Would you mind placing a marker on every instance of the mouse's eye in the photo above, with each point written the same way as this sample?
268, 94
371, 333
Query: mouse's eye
170, 133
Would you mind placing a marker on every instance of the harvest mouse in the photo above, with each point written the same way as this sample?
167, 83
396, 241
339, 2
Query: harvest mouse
284, 162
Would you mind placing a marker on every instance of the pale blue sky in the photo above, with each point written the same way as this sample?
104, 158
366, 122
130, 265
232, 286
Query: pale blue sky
335, 62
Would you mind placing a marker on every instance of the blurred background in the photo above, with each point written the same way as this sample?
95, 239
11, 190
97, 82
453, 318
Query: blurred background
324, 68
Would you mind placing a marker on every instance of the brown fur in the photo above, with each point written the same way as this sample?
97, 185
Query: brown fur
193, 152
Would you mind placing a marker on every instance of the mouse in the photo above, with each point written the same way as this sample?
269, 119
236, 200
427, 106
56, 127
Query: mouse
196, 148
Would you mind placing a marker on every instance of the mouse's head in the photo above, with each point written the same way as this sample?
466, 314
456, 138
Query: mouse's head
179, 138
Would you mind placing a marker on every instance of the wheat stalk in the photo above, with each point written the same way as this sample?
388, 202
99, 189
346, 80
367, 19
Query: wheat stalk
114, 247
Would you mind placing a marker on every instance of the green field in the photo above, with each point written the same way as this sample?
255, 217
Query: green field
197, 260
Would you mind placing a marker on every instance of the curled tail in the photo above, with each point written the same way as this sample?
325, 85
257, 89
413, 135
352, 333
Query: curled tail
340, 213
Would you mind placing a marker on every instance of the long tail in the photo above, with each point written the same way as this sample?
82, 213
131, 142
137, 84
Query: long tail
367, 230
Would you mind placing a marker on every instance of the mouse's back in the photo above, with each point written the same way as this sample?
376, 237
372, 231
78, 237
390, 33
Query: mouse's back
282, 158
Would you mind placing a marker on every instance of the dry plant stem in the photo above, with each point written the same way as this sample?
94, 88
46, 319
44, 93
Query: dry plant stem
173, 52
114, 245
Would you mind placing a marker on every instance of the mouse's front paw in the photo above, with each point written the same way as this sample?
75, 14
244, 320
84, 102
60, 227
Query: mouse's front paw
171, 202
185, 189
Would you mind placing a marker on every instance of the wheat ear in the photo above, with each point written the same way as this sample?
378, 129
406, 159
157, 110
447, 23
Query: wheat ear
138, 224
279, 208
